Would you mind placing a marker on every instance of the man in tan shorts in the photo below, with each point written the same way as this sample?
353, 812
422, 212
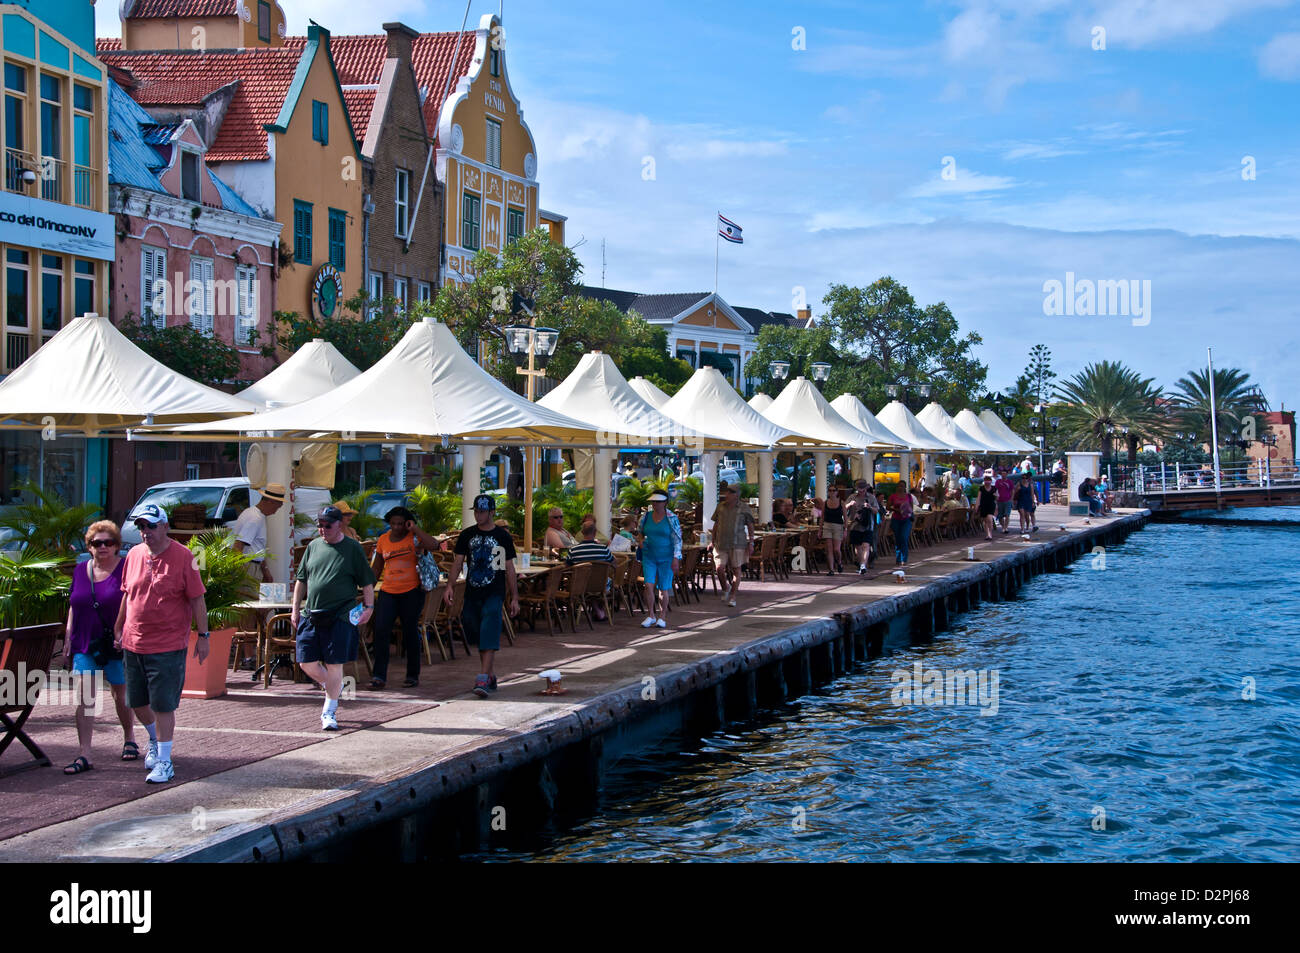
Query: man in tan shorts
733, 541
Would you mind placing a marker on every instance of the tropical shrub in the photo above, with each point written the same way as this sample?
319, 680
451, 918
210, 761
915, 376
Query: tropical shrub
224, 571
49, 523
32, 589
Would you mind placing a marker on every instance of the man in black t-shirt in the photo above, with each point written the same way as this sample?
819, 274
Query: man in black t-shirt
487, 552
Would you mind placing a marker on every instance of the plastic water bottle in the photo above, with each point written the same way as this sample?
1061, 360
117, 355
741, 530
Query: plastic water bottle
355, 615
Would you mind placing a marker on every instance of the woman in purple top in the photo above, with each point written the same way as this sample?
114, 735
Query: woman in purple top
94, 603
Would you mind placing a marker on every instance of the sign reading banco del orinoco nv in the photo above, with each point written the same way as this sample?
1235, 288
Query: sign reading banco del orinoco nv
51, 226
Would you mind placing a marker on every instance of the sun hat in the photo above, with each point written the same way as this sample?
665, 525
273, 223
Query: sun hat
658, 497
274, 491
344, 507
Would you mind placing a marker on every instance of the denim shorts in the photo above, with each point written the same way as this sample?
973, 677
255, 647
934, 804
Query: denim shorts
1004, 509
483, 619
658, 573
114, 671
155, 680
336, 645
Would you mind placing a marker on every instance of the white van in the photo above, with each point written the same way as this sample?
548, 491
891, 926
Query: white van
225, 498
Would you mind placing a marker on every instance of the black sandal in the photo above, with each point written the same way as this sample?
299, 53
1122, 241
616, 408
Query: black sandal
411, 683
78, 766
130, 751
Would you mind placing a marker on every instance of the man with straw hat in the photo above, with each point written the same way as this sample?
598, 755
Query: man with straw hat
250, 529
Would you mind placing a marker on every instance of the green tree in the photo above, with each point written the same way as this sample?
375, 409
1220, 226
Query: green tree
184, 349
881, 336
1105, 398
1039, 374
798, 346
1235, 398
49, 523
361, 341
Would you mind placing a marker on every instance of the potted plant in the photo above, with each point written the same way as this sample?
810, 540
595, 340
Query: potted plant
50, 525
224, 571
32, 589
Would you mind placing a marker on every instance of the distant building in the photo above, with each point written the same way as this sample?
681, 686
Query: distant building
1279, 424
703, 329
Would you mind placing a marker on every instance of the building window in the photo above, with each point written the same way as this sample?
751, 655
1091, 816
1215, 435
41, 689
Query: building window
338, 239
376, 294
426, 292
470, 221
246, 299
83, 115
402, 202
263, 21
400, 286
199, 296
153, 285
514, 224
190, 176
494, 60
83, 292
16, 159
493, 144
51, 170
302, 232
16, 287
51, 293
320, 122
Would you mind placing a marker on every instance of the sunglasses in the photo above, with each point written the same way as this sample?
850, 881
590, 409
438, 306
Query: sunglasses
557, 516
325, 524
98, 543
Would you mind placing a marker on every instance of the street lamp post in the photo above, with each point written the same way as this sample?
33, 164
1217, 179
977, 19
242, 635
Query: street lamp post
531, 347
821, 372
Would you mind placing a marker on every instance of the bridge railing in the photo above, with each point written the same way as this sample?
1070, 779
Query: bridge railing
1172, 477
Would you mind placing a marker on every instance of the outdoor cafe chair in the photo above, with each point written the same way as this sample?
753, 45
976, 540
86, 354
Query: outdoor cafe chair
543, 599
448, 618
279, 645
429, 622
573, 589
22, 652
598, 591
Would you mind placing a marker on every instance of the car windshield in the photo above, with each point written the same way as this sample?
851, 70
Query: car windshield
381, 503
170, 496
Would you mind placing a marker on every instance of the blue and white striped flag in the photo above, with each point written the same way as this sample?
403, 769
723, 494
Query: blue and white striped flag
729, 230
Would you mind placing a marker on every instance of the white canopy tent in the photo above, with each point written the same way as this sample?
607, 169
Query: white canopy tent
856, 413
993, 423
903, 423
89, 378
760, 402
972, 425
649, 392
937, 421
598, 391
315, 368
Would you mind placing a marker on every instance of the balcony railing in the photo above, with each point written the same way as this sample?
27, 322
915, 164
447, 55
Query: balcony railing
16, 163
85, 186
51, 174
17, 346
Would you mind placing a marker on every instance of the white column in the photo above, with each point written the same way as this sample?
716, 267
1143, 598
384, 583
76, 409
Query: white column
709, 465
603, 472
472, 457
821, 471
905, 468
765, 487
279, 526
399, 466
1080, 466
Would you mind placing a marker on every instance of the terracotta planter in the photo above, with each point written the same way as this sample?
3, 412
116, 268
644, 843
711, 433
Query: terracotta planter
209, 679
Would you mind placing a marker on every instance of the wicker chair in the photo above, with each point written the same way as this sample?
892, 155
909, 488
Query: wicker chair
598, 591
278, 646
544, 600
447, 618
572, 591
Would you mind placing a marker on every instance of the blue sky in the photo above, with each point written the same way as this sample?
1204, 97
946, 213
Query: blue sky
1117, 163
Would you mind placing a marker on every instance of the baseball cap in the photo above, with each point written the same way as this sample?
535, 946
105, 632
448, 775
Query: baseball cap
485, 501
150, 513
329, 514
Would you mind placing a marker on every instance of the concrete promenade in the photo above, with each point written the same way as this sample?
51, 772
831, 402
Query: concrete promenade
256, 758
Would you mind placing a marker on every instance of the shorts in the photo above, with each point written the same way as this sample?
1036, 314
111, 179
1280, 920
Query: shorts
482, 621
155, 679
337, 646
1004, 509
114, 671
859, 536
658, 573
735, 558
833, 531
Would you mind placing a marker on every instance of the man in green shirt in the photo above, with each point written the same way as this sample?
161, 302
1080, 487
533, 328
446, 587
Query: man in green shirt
333, 567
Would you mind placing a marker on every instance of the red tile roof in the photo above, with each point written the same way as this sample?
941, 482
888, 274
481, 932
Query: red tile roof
360, 59
153, 9
265, 76
105, 44
360, 103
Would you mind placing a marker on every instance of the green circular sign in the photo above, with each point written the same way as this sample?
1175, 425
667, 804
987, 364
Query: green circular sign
326, 291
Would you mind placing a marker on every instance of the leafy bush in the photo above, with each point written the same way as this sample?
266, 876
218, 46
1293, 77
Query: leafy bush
32, 589
184, 349
436, 510
366, 525
224, 571
574, 503
49, 523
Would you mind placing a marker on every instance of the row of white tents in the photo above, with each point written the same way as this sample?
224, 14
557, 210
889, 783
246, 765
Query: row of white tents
89, 379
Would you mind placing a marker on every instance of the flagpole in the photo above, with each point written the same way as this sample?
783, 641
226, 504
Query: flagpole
717, 231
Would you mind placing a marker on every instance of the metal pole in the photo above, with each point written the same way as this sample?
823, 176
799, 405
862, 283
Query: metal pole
1178, 475
1164, 487
528, 456
1214, 422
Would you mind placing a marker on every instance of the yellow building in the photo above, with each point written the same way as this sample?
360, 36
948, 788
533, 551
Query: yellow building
272, 113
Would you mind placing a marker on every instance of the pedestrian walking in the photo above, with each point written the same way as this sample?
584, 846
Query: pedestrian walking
1025, 503
833, 530
250, 529
332, 569
661, 555
399, 595
988, 504
733, 541
862, 510
900, 517
93, 606
488, 553
1005, 489
163, 594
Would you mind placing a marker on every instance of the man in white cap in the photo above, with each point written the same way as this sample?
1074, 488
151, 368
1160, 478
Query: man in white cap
250, 529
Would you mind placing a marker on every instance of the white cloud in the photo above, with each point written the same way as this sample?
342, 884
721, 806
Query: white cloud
1014, 151
1139, 23
1280, 58
963, 183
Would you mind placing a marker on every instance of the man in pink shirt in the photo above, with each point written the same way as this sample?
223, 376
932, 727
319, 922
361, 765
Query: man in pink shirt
162, 595
1005, 490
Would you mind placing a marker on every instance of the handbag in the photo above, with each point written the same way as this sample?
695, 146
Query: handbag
430, 574
101, 649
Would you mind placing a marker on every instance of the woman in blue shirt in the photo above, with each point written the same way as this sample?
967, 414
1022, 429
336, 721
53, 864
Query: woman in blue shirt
661, 553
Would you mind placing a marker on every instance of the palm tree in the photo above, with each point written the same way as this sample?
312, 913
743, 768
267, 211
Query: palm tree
1235, 398
1102, 400
49, 523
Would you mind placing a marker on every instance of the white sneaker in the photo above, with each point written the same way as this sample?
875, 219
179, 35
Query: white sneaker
162, 773
732, 603
328, 722
726, 591
662, 623
151, 755
649, 622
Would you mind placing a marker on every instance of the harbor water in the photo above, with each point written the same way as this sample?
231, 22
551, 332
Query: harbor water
1144, 706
